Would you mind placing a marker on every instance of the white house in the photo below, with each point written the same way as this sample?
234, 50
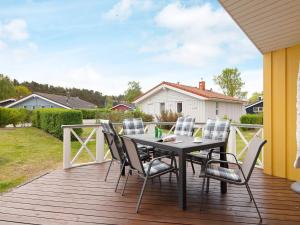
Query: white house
194, 101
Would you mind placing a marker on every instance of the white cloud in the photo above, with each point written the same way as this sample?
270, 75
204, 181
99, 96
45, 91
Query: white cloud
124, 9
15, 45
2, 45
15, 30
199, 36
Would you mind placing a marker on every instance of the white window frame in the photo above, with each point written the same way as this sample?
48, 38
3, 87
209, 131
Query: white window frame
177, 107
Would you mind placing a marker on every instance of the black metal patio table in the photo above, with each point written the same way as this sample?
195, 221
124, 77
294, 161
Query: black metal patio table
181, 149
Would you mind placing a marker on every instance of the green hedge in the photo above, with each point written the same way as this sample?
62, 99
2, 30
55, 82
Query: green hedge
51, 120
252, 119
14, 116
91, 113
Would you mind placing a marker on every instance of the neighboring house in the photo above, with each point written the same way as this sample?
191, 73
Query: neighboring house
42, 100
122, 107
6, 102
256, 107
194, 101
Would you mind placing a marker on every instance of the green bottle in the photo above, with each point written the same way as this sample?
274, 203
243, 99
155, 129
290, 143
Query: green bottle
156, 132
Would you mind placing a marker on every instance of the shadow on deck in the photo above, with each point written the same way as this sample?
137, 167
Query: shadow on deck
80, 196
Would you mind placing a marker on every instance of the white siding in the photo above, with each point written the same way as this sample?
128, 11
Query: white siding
190, 106
232, 110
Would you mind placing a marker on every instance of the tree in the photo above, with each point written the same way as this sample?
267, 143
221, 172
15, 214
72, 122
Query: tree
231, 83
133, 91
255, 97
7, 89
22, 91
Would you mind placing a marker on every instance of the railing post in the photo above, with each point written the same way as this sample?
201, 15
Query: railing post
99, 145
231, 148
67, 147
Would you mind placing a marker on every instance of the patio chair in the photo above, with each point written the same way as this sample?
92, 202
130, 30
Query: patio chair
242, 174
116, 148
213, 130
134, 126
184, 127
149, 170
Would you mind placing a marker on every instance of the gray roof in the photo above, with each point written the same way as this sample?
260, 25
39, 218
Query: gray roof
72, 102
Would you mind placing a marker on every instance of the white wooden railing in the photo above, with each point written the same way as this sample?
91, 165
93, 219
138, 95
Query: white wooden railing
100, 156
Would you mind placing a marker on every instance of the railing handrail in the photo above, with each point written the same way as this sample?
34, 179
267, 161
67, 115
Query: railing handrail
160, 123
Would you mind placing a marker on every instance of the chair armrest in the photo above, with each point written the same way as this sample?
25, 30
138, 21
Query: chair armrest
224, 161
221, 153
152, 161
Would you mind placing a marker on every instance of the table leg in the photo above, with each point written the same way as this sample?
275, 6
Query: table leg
182, 181
223, 157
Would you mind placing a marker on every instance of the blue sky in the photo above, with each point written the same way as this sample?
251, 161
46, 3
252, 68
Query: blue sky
101, 45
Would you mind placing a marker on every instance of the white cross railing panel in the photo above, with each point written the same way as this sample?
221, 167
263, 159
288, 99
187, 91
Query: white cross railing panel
98, 157
232, 141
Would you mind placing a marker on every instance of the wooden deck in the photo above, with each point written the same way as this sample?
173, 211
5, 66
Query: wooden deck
80, 196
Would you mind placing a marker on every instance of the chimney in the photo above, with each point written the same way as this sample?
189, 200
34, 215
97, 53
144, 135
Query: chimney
202, 85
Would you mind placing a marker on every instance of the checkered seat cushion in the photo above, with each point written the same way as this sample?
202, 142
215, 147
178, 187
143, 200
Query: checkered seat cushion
157, 167
222, 172
133, 126
203, 154
184, 126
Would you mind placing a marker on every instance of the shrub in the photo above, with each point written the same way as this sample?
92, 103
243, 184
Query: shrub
252, 119
51, 120
14, 116
119, 116
168, 116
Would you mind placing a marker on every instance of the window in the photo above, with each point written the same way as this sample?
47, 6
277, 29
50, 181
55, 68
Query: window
162, 107
257, 109
179, 107
217, 108
33, 107
25, 107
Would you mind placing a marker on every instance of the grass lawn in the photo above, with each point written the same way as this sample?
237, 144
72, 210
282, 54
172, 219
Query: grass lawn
29, 152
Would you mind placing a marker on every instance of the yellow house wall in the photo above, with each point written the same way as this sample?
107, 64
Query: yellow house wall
280, 88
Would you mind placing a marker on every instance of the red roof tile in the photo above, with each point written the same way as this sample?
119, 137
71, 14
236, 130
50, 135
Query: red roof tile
197, 91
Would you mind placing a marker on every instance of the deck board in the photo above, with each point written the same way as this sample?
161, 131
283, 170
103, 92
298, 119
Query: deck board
80, 196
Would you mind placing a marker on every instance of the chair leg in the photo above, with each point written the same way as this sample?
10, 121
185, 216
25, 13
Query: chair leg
192, 164
203, 183
159, 181
170, 175
123, 165
125, 182
108, 170
207, 185
251, 196
141, 195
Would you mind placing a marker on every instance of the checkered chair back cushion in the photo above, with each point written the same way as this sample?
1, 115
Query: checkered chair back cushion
221, 130
184, 126
208, 129
133, 126
216, 129
108, 127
